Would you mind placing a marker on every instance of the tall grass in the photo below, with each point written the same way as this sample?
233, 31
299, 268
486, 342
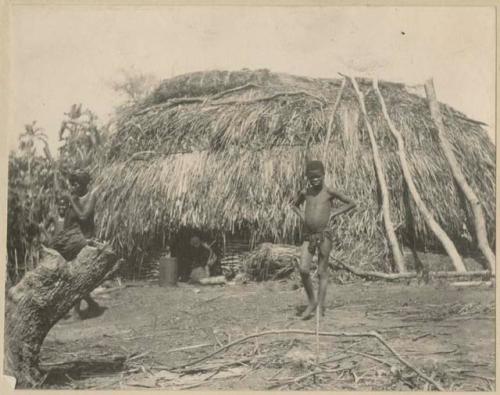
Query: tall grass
32, 190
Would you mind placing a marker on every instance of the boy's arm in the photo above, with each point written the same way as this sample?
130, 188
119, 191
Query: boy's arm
48, 221
348, 206
87, 210
210, 259
297, 202
211, 254
45, 225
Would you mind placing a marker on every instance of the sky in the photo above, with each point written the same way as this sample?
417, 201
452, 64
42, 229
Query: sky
60, 55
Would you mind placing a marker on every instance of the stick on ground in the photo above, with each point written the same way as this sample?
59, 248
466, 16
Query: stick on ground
317, 334
372, 334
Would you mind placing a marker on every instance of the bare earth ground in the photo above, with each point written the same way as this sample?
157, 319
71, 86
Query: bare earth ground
447, 332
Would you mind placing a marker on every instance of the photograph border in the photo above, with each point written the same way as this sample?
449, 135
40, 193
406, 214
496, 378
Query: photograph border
6, 107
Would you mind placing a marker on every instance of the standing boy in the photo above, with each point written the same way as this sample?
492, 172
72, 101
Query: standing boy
317, 232
54, 225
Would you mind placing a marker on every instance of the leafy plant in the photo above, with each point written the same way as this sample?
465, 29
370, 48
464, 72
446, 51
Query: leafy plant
33, 181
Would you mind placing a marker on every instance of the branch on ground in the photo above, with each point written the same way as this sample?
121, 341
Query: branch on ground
371, 334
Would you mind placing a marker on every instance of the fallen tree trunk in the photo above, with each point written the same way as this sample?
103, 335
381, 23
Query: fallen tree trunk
386, 210
475, 204
472, 284
426, 214
43, 297
409, 275
84, 365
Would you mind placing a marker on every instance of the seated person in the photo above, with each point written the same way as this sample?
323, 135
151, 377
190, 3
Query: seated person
198, 259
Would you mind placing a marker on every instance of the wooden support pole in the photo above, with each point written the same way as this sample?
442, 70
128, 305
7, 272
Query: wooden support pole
412, 233
475, 204
386, 211
332, 119
426, 214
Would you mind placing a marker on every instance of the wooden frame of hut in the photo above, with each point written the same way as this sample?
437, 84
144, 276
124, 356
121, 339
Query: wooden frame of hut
224, 151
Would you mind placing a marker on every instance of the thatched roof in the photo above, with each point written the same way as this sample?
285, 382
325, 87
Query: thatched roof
219, 150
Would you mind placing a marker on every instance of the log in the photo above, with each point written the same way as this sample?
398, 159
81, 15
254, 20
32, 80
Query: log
213, 280
475, 204
409, 275
472, 283
426, 214
43, 297
84, 365
386, 211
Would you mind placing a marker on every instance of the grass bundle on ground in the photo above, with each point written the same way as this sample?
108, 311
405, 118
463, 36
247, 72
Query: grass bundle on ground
226, 150
271, 261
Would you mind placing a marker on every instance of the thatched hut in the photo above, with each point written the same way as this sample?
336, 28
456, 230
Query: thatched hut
225, 151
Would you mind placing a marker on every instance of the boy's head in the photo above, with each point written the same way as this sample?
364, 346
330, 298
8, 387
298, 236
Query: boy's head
62, 204
79, 182
195, 241
315, 172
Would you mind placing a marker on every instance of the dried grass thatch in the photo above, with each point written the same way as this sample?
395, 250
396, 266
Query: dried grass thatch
271, 261
225, 150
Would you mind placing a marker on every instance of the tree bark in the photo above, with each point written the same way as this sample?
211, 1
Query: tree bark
475, 204
43, 297
386, 211
429, 219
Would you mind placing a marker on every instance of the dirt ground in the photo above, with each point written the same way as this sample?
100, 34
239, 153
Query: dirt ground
446, 332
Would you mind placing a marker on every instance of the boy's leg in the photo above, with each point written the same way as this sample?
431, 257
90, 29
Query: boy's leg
305, 275
93, 309
184, 270
77, 308
324, 255
92, 304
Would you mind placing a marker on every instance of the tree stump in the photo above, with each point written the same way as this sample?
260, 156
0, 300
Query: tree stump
41, 299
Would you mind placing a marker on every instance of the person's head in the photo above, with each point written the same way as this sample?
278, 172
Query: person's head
315, 172
62, 205
79, 182
195, 241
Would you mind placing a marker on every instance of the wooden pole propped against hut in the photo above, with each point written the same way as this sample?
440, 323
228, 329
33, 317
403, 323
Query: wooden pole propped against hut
332, 119
428, 218
386, 210
475, 204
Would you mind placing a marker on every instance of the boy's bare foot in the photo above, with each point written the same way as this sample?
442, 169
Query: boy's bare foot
309, 312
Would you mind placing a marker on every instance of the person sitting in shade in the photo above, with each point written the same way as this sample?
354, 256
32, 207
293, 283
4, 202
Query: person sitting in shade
199, 258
